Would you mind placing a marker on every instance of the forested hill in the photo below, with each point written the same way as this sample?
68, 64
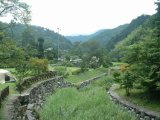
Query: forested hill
18, 31
131, 27
107, 34
141, 50
108, 38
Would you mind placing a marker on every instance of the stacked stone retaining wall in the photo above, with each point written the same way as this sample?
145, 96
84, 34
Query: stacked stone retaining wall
142, 113
87, 82
29, 81
3, 94
24, 106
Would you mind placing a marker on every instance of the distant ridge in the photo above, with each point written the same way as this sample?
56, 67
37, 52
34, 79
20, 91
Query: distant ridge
83, 38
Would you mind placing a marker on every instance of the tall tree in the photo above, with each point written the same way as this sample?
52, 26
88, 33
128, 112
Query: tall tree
144, 54
153, 58
40, 47
18, 10
10, 54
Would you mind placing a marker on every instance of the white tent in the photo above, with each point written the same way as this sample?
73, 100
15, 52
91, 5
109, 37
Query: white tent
3, 74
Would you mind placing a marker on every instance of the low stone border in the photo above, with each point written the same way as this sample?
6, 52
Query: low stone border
3, 94
26, 83
87, 82
24, 106
142, 113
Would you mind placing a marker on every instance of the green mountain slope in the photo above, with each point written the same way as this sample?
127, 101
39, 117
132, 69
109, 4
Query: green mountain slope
107, 34
50, 37
131, 27
137, 36
141, 50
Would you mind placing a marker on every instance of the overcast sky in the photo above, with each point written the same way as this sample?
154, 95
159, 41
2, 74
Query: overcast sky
86, 16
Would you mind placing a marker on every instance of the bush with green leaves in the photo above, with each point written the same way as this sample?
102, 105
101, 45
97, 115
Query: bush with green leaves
76, 72
62, 71
94, 62
105, 82
37, 65
117, 76
106, 61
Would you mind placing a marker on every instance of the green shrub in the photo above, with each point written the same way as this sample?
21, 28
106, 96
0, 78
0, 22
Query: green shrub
76, 72
38, 66
62, 71
117, 76
19, 86
127, 82
66, 74
105, 82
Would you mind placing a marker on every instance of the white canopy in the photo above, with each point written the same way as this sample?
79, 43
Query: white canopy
3, 73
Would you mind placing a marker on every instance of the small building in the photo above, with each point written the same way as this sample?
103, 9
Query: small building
5, 76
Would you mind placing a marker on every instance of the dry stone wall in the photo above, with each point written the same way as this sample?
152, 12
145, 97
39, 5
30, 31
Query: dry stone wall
24, 107
142, 113
26, 83
3, 94
87, 82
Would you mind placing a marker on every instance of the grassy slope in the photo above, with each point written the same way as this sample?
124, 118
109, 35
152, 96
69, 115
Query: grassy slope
86, 75
139, 97
11, 87
90, 103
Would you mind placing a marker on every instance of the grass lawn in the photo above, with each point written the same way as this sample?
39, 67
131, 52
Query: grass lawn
1, 111
89, 103
11, 87
71, 69
117, 63
11, 91
86, 75
139, 97
63, 68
